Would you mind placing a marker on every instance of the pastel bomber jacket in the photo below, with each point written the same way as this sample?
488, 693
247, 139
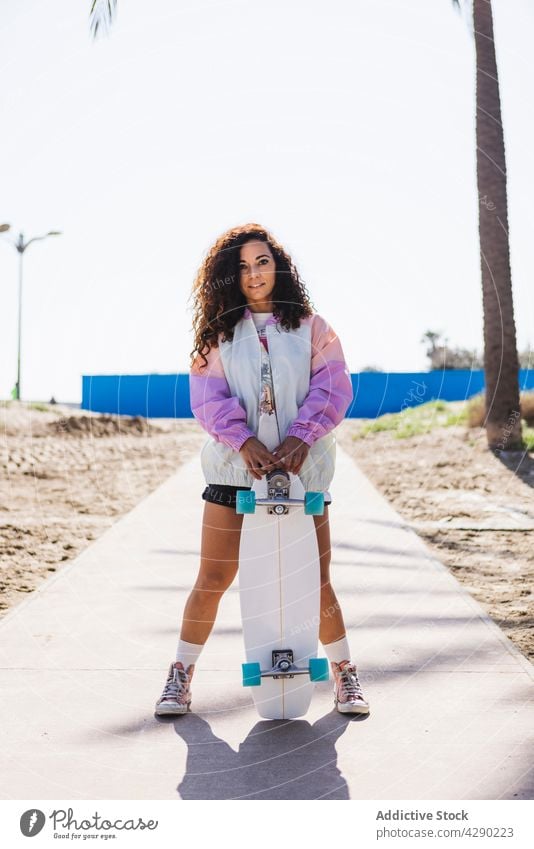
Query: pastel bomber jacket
312, 392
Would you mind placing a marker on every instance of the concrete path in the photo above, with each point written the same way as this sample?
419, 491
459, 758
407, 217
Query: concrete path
84, 659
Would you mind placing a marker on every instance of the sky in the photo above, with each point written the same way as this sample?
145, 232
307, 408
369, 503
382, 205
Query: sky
347, 129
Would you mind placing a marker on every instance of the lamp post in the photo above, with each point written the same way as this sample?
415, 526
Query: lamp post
20, 245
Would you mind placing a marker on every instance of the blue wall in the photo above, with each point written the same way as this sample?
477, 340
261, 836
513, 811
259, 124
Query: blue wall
150, 395
375, 393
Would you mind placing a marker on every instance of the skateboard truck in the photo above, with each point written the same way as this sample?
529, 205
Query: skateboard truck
278, 500
284, 667
278, 484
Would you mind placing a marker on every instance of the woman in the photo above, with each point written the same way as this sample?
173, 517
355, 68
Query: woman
248, 289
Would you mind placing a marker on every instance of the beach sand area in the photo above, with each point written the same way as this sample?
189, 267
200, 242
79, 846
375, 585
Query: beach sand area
68, 475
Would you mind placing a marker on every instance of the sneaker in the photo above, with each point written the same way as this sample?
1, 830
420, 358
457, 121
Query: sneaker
176, 696
348, 696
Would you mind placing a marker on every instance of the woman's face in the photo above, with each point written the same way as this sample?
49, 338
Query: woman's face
257, 275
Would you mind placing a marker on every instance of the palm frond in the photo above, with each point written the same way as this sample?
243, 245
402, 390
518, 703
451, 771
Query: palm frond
465, 9
101, 16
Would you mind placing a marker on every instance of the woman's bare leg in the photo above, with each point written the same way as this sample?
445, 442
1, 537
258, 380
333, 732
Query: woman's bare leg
332, 626
219, 561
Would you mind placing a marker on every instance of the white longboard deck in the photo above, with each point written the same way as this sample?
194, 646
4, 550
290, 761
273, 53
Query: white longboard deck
279, 586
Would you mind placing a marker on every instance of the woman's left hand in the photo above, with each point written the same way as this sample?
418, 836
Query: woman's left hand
292, 453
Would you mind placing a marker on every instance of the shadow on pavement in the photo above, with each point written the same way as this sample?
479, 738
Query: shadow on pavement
279, 759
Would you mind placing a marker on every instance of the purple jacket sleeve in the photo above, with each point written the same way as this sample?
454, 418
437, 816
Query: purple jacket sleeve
330, 392
212, 404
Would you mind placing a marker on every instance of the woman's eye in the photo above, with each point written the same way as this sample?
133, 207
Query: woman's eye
261, 262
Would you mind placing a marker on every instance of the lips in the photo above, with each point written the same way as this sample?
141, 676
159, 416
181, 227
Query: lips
257, 286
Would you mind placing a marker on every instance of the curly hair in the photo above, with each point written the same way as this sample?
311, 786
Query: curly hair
218, 300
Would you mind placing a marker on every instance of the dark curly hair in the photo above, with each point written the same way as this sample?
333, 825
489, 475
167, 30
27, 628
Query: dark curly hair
218, 300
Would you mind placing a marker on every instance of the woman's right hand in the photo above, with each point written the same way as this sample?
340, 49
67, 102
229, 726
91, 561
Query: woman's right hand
258, 459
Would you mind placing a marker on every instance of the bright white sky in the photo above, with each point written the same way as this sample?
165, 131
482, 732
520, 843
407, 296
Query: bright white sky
346, 128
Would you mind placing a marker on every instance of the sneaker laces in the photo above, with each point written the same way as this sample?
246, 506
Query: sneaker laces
176, 684
350, 683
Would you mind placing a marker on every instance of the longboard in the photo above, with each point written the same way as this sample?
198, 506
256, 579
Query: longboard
279, 588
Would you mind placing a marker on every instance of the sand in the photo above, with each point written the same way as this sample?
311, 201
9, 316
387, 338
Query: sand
474, 510
69, 474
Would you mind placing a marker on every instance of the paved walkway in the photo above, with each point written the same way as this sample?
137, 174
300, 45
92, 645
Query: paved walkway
84, 658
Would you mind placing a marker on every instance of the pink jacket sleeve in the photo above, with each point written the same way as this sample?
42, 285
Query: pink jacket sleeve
330, 392
212, 404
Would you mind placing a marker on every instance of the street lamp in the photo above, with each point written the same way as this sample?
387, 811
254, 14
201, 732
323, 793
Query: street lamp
21, 246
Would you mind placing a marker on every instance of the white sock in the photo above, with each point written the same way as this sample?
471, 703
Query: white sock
338, 651
187, 653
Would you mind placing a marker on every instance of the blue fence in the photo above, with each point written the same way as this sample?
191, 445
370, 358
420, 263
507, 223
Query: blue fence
375, 393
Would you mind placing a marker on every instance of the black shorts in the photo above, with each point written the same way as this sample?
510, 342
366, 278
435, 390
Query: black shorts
220, 493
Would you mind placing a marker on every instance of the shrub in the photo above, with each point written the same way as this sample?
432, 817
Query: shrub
476, 410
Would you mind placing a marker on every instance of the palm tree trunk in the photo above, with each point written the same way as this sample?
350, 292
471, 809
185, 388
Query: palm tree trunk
501, 365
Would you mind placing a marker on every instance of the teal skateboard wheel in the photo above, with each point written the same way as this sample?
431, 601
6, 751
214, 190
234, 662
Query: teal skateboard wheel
318, 667
251, 674
314, 503
245, 501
